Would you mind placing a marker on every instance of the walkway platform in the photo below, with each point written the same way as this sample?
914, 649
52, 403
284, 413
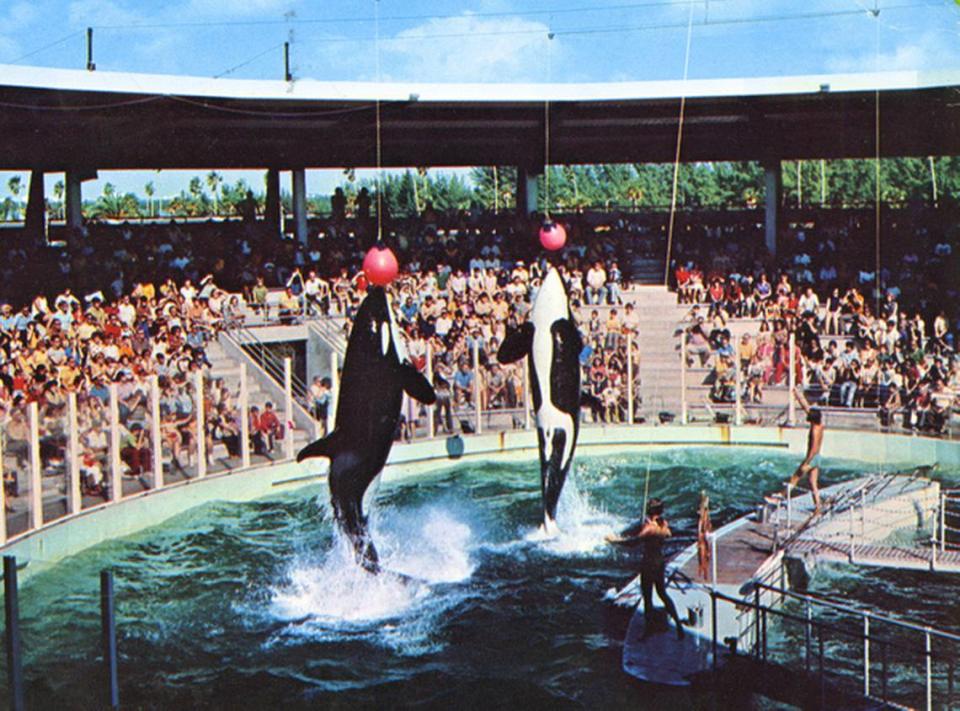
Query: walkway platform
882, 519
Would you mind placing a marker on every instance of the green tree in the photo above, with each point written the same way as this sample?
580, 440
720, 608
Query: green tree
150, 191
214, 180
58, 191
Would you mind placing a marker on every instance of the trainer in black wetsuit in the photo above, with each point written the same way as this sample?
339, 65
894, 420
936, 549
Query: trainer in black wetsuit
650, 533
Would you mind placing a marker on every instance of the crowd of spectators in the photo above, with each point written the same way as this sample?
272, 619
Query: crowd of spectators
126, 301
860, 341
85, 345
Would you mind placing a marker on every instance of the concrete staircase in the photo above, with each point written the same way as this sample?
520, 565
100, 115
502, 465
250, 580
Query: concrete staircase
646, 271
224, 366
659, 350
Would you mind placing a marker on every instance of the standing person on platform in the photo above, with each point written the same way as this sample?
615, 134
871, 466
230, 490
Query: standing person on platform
651, 532
810, 466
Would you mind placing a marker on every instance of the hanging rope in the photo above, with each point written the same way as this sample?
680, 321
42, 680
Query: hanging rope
378, 177
876, 162
676, 160
546, 130
646, 483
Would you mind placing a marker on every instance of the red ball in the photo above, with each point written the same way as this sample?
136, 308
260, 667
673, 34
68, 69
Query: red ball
553, 236
380, 265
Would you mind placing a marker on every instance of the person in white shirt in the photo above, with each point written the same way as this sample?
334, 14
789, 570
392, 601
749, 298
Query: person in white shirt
596, 284
458, 284
126, 312
188, 291
316, 293
809, 302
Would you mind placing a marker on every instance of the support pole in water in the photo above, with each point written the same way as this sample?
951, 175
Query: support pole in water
12, 637
866, 654
109, 629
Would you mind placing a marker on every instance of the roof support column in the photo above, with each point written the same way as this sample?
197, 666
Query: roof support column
74, 198
273, 215
300, 203
527, 191
35, 223
773, 194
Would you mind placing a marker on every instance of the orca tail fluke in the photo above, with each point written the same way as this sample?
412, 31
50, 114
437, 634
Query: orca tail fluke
353, 524
324, 447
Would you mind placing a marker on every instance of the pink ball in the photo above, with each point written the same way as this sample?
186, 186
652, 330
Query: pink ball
380, 265
553, 236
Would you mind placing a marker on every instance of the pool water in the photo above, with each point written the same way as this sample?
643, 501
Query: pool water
258, 605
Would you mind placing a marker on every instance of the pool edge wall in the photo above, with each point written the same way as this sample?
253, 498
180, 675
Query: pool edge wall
44, 547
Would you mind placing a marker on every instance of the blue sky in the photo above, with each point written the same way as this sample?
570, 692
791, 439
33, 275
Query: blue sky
486, 41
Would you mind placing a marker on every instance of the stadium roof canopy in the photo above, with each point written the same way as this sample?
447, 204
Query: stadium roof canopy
55, 119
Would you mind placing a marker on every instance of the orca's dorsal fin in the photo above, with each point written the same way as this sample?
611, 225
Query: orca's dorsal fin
516, 344
415, 385
325, 447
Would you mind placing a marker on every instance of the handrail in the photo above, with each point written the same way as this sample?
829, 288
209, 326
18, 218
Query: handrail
327, 331
857, 611
268, 361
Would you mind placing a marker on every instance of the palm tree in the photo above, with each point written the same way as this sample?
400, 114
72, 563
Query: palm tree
150, 189
214, 179
634, 195
58, 190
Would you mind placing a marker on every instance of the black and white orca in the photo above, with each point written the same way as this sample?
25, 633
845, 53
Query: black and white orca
376, 373
553, 343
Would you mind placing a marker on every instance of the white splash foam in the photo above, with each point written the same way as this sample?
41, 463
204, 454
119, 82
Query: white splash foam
334, 597
582, 526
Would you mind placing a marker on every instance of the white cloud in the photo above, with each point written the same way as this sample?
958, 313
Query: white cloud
926, 51
83, 13
470, 48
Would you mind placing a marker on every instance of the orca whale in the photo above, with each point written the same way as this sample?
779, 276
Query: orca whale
552, 342
376, 373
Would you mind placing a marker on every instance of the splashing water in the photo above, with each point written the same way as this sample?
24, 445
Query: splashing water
582, 526
419, 550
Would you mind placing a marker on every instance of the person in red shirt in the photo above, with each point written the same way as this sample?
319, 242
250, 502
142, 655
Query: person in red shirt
269, 426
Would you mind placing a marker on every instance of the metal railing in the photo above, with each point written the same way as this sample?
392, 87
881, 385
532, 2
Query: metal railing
101, 448
863, 634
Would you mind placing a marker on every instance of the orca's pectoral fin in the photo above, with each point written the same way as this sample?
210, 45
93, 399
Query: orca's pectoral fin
516, 344
325, 447
415, 385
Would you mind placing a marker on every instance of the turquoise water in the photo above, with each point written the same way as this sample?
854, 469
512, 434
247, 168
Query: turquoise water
256, 605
